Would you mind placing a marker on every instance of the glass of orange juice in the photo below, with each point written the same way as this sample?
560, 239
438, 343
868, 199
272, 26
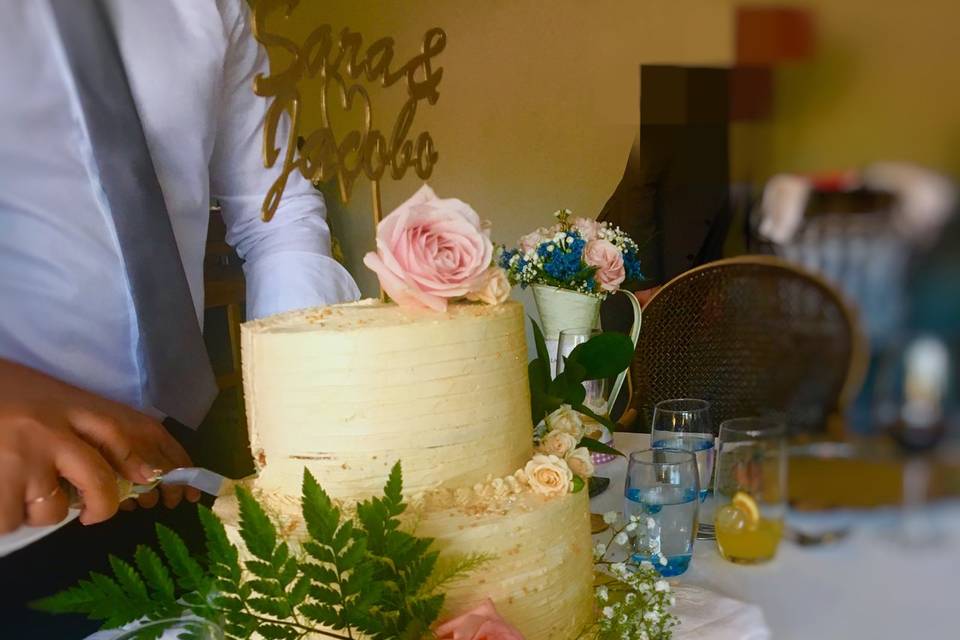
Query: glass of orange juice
750, 489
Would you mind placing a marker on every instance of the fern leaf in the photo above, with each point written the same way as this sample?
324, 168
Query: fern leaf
393, 491
323, 575
190, 575
155, 573
256, 529
288, 572
322, 614
277, 632
260, 569
266, 587
220, 551
299, 591
275, 607
319, 513
128, 579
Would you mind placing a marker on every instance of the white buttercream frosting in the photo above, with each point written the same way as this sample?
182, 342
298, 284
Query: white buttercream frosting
349, 390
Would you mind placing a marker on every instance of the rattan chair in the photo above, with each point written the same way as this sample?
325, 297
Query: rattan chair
754, 335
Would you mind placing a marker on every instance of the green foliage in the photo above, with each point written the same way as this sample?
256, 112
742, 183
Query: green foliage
350, 576
602, 356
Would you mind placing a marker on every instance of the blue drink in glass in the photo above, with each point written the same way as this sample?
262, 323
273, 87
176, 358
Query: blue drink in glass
662, 496
685, 423
701, 444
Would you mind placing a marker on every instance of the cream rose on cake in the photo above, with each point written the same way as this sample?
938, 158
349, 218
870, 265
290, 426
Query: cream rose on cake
548, 475
493, 287
430, 250
566, 420
558, 443
580, 462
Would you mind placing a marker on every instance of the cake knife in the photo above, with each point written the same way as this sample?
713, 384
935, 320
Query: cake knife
202, 479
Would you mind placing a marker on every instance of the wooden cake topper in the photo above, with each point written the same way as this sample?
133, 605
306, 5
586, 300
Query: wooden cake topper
339, 63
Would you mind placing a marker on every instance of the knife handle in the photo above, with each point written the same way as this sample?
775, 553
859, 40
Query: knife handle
125, 490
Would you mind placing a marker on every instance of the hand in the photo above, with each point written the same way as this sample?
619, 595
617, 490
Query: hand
51, 430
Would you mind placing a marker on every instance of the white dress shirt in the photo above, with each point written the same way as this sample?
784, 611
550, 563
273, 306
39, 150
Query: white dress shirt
65, 304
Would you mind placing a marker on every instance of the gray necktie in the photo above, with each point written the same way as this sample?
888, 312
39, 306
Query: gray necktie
180, 381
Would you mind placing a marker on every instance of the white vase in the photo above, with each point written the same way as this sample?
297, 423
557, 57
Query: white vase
561, 309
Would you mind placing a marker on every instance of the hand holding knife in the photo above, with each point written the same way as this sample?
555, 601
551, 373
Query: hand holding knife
204, 480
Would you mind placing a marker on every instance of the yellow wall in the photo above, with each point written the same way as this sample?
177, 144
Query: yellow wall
539, 101
884, 84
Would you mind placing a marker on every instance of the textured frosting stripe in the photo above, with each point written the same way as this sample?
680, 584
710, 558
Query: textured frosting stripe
348, 390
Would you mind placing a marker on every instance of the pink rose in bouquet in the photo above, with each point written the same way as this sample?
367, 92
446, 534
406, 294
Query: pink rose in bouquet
481, 623
533, 239
588, 228
608, 260
429, 250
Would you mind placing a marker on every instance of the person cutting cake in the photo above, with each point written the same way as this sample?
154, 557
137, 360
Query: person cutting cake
127, 120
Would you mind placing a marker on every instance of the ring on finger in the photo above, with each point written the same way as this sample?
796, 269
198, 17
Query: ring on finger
48, 496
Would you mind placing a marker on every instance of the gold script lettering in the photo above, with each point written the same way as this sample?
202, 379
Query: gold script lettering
339, 65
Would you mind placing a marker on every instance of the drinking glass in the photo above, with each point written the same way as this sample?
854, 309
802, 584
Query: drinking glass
597, 390
662, 490
194, 628
685, 423
750, 489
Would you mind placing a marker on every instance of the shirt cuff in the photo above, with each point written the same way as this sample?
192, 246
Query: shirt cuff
294, 280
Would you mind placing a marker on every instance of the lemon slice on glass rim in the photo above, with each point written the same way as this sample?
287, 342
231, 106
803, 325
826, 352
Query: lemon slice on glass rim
748, 507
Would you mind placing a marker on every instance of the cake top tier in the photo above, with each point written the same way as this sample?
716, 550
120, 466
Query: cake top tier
349, 390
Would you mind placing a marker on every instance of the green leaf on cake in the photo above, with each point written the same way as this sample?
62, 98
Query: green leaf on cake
603, 356
577, 485
598, 447
540, 345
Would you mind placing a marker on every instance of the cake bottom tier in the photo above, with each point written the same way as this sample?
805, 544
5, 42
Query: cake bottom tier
540, 572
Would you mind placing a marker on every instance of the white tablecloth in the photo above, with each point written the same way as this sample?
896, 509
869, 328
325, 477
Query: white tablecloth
862, 587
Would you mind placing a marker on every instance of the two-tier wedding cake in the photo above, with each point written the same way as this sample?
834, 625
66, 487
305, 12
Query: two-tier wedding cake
348, 390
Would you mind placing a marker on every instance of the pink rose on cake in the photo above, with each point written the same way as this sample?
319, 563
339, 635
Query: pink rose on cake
608, 260
548, 475
480, 623
430, 250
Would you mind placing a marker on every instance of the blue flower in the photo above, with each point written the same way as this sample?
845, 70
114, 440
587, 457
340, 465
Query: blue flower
505, 258
577, 244
563, 265
631, 264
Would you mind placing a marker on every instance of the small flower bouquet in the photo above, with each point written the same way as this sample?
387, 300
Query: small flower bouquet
580, 255
633, 600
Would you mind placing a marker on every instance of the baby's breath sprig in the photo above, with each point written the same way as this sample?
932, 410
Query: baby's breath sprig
633, 600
